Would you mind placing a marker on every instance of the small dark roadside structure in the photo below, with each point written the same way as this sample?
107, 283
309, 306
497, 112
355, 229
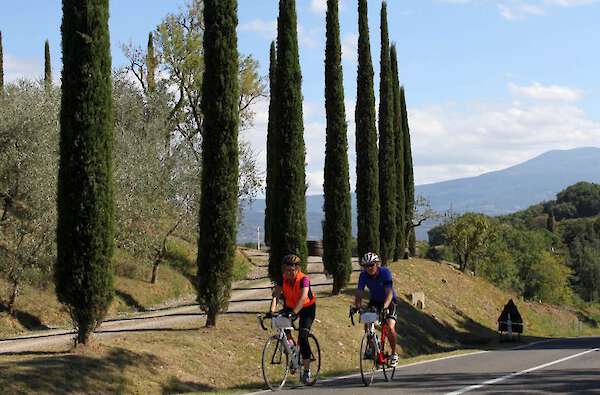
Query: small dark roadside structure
510, 321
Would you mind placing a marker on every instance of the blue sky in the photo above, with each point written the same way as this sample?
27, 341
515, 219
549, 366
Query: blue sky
489, 83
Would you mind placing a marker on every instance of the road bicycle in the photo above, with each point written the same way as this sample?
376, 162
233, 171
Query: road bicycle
373, 356
281, 356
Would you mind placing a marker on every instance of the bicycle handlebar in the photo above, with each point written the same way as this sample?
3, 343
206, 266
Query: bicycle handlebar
261, 317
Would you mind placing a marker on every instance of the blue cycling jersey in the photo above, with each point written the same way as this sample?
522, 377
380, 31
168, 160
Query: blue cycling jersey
377, 285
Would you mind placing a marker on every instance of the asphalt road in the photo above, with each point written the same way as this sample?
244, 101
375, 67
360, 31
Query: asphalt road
556, 366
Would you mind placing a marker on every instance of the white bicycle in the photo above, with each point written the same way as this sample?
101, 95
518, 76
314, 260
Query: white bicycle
281, 356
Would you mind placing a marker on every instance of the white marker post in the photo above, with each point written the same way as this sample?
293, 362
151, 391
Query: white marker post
258, 238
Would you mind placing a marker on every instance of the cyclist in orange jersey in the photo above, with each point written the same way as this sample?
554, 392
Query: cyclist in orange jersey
299, 301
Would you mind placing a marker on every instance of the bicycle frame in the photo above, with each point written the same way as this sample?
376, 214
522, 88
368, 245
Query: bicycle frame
379, 343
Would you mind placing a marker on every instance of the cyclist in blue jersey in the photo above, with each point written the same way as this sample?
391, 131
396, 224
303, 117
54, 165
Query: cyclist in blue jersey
382, 296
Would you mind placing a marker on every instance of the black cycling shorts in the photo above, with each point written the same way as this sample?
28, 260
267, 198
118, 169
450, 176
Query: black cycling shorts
392, 308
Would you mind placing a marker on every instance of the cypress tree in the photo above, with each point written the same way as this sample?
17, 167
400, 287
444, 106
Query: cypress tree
1, 66
271, 144
409, 180
151, 65
288, 233
367, 168
218, 202
85, 229
399, 156
551, 223
47, 66
337, 236
387, 162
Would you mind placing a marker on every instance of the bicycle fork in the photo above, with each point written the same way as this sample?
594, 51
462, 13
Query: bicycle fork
292, 351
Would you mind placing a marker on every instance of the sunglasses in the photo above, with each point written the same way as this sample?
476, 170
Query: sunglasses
368, 266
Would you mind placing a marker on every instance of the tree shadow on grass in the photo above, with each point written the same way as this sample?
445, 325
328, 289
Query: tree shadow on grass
130, 300
27, 320
74, 373
420, 333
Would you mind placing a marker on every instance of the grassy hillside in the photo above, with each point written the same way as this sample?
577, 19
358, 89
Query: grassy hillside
460, 313
39, 309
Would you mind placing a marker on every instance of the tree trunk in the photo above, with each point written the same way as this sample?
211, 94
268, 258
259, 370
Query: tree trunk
13, 298
211, 318
155, 271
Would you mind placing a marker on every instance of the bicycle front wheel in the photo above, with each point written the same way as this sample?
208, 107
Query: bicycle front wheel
275, 363
368, 358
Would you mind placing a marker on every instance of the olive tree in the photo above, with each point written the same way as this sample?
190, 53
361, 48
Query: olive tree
28, 170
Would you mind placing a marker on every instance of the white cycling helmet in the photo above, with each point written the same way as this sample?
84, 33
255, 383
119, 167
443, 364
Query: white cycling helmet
370, 258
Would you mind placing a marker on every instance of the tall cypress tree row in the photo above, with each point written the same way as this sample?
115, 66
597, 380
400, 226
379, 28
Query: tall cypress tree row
271, 144
85, 229
367, 168
218, 201
47, 66
337, 236
399, 156
409, 180
387, 162
151, 65
288, 233
1, 66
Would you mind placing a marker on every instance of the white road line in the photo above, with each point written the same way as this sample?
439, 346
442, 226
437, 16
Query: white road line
499, 379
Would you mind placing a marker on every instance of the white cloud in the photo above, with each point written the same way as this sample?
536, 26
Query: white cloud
17, 68
546, 92
513, 10
318, 6
267, 29
350, 48
448, 142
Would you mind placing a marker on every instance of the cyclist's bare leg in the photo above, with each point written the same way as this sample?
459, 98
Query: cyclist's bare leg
391, 334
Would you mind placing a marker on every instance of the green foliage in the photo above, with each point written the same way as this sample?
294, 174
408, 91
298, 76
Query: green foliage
524, 219
468, 235
582, 239
28, 167
577, 201
151, 65
338, 223
289, 208
387, 161
1, 67
47, 66
367, 167
411, 216
271, 143
218, 202
85, 233
437, 235
401, 193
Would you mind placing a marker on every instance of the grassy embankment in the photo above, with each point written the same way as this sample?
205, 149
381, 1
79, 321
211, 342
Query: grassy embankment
38, 308
460, 313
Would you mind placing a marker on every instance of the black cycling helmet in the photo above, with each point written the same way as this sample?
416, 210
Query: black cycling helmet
291, 260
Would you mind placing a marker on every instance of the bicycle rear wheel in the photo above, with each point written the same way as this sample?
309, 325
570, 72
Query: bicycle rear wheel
275, 363
368, 358
315, 359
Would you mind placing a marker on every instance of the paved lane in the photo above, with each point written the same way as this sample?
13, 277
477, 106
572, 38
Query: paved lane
558, 366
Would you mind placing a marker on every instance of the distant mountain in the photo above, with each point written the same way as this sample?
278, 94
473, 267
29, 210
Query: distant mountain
494, 193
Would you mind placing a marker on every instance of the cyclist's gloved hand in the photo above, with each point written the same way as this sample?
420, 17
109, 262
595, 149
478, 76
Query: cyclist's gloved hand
385, 312
269, 315
353, 310
292, 316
